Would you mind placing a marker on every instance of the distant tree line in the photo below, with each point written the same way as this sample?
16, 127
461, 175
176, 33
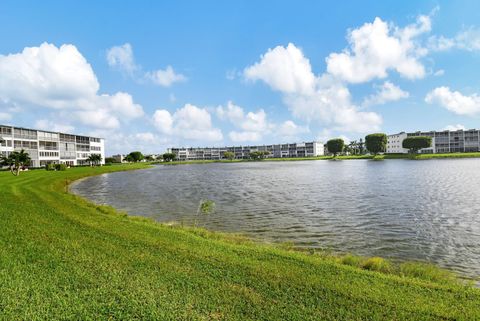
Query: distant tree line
375, 144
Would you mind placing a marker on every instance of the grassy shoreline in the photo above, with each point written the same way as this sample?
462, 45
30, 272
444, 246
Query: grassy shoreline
348, 157
62, 257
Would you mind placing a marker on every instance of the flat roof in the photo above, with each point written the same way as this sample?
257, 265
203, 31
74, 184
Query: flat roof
48, 131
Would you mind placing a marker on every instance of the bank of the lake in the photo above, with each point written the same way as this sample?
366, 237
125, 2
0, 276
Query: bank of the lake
340, 157
62, 257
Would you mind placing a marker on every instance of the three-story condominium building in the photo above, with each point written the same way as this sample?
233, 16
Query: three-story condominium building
309, 149
447, 141
46, 147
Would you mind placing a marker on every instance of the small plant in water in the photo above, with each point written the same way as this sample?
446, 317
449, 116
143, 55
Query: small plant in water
205, 207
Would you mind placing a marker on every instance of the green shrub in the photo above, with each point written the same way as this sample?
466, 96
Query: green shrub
377, 264
351, 260
50, 167
427, 272
60, 167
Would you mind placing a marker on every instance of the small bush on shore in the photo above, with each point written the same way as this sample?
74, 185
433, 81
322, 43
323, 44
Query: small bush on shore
50, 167
351, 260
377, 264
60, 167
426, 271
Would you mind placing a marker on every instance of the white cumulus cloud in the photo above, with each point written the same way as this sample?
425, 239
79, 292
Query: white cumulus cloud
468, 39
253, 125
284, 69
50, 125
323, 99
189, 122
385, 93
244, 136
377, 47
289, 130
122, 58
454, 127
454, 101
165, 78
5, 116
61, 78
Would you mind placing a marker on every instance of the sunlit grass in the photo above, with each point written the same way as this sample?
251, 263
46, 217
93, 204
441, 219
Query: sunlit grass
62, 257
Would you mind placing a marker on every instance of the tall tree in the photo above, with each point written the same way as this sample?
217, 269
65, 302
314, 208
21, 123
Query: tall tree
335, 146
353, 147
94, 159
376, 143
15, 161
414, 144
134, 157
169, 157
229, 155
361, 147
258, 155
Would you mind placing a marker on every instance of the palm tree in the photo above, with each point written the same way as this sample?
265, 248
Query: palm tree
361, 146
15, 161
94, 159
353, 147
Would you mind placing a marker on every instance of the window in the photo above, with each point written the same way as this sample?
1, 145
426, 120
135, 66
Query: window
24, 144
25, 133
83, 148
48, 154
5, 131
67, 138
48, 145
83, 139
7, 143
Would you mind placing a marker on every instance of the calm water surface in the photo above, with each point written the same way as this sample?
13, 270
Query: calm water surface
408, 210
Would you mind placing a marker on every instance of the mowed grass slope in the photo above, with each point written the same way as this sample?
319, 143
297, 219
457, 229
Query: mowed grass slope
64, 258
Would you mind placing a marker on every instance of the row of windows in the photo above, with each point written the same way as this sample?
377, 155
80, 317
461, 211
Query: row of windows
47, 136
83, 139
67, 138
67, 155
5, 130
7, 143
83, 148
96, 148
48, 145
82, 155
25, 133
48, 154
25, 144
67, 146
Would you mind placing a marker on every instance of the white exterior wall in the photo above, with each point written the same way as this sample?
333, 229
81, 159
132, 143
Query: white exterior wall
306, 149
318, 149
394, 144
49, 147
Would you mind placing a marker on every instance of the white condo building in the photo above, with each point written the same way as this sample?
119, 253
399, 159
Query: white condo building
46, 147
457, 141
309, 149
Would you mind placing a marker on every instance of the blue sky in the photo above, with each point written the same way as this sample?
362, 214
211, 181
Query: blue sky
148, 75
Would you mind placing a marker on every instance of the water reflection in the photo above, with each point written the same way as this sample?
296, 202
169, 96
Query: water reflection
426, 210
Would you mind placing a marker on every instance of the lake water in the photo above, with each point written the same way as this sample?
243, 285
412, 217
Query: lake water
401, 209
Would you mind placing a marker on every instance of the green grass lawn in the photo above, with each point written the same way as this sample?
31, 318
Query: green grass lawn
62, 257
